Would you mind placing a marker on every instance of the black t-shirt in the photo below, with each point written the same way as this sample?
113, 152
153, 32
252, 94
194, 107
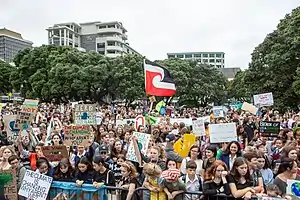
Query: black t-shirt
107, 178
128, 182
239, 186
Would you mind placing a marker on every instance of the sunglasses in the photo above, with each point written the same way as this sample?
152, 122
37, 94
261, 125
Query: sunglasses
103, 152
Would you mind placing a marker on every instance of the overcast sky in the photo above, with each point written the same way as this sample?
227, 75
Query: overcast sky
156, 27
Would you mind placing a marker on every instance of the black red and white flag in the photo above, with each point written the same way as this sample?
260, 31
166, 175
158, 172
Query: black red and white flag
158, 80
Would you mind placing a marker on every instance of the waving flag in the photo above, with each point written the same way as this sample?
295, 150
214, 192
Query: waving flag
158, 80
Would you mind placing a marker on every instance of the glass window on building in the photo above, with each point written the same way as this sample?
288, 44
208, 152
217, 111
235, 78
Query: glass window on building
218, 66
110, 43
180, 56
111, 51
205, 60
211, 55
56, 32
101, 52
100, 45
171, 56
218, 60
188, 55
211, 60
218, 55
197, 55
205, 55
111, 26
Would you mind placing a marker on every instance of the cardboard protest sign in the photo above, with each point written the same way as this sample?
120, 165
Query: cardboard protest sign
198, 127
10, 187
77, 135
143, 142
85, 114
55, 153
23, 120
250, 108
265, 99
9, 122
30, 105
225, 132
35, 185
269, 129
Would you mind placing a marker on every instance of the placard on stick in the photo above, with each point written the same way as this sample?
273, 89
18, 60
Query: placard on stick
269, 129
55, 153
77, 135
23, 119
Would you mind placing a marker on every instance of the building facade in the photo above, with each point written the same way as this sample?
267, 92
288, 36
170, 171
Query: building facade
11, 43
106, 38
216, 59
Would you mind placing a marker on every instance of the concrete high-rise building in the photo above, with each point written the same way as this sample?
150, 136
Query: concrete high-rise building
217, 59
11, 43
107, 38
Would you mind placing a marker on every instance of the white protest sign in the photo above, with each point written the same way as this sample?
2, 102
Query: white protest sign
36, 131
198, 127
265, 99
35, 185
122, 122
218, 111
9, 122
143, 142
292, 187
222, 132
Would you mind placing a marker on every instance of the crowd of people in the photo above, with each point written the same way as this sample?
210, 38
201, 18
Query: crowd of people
252, 165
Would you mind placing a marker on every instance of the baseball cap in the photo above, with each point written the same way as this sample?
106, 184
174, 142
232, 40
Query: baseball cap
170, 138
103, 148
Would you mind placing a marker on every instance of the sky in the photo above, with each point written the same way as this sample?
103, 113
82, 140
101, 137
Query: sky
158, 27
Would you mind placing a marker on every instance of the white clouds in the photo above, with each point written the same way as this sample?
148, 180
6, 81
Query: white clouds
159, 26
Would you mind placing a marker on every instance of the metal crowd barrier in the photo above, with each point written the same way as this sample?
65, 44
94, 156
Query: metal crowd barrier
86, 192
89, 192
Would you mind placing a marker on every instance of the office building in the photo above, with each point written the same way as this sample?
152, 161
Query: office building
216, 59
11, 43
107, 38
229, 73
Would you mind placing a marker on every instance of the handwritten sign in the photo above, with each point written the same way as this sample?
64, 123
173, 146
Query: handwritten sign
30, 105
269, 129
198, 127
36, 131
222, 132
9, 122
293, 187
77, 135
85, 114
143, 142
23, 120
55, 153
35, 185
218, 111
249, 107
10, 188
265, 99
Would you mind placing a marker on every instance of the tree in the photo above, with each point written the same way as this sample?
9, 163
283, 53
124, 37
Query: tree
238, 89
6, 70
275, 62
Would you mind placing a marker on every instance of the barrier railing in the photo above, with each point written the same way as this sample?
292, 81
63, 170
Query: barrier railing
89, 192
86, 192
